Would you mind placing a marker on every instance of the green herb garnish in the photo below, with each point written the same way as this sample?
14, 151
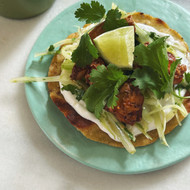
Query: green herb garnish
113, 20
85, 52
94, 12
51, 48
90, 13
154, 36
104, 88
154, 74
187, 77
79, 92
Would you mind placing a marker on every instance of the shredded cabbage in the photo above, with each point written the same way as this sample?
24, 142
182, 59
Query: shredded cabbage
117, 129
35, 79
143, 129
68, 44
124, 14
156, 111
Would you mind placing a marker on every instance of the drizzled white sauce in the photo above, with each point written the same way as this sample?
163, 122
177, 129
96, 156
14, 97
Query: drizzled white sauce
170, 40
80, 107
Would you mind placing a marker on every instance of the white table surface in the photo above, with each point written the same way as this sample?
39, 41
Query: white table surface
28, 160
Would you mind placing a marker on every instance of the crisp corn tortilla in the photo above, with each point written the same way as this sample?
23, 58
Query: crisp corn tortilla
89, 129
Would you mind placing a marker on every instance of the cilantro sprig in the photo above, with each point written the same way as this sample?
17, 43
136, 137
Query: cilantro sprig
85, 52
113, 20
79, 92
51, 51
104, 89
154, 74
94, 12
146, 78
187, 77
154, 36
90, 13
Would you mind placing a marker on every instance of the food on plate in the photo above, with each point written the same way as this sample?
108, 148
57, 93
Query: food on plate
122, 79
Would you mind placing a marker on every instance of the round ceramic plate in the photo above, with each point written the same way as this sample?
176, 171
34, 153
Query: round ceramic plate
66, 137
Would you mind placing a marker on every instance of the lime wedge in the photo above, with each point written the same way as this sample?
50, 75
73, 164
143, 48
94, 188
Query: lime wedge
117, 46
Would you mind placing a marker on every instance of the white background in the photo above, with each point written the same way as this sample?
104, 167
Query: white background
28, 160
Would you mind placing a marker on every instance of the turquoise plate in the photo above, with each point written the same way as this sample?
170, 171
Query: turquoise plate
66, 137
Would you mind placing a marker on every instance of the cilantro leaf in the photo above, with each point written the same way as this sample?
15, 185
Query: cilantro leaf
169, 86
187, 77
113, 20
112, 101
51, 51
146, 78
74, 90
104, 88
90, 13
155, 57
51, 48
154, 36
85, 52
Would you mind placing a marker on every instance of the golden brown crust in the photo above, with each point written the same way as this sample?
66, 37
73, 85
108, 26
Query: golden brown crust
88, 128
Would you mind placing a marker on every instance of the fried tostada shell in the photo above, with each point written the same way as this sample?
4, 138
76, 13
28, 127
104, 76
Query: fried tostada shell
89, 129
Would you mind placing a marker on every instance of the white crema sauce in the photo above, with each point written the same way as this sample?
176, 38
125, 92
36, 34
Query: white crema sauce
80, 106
